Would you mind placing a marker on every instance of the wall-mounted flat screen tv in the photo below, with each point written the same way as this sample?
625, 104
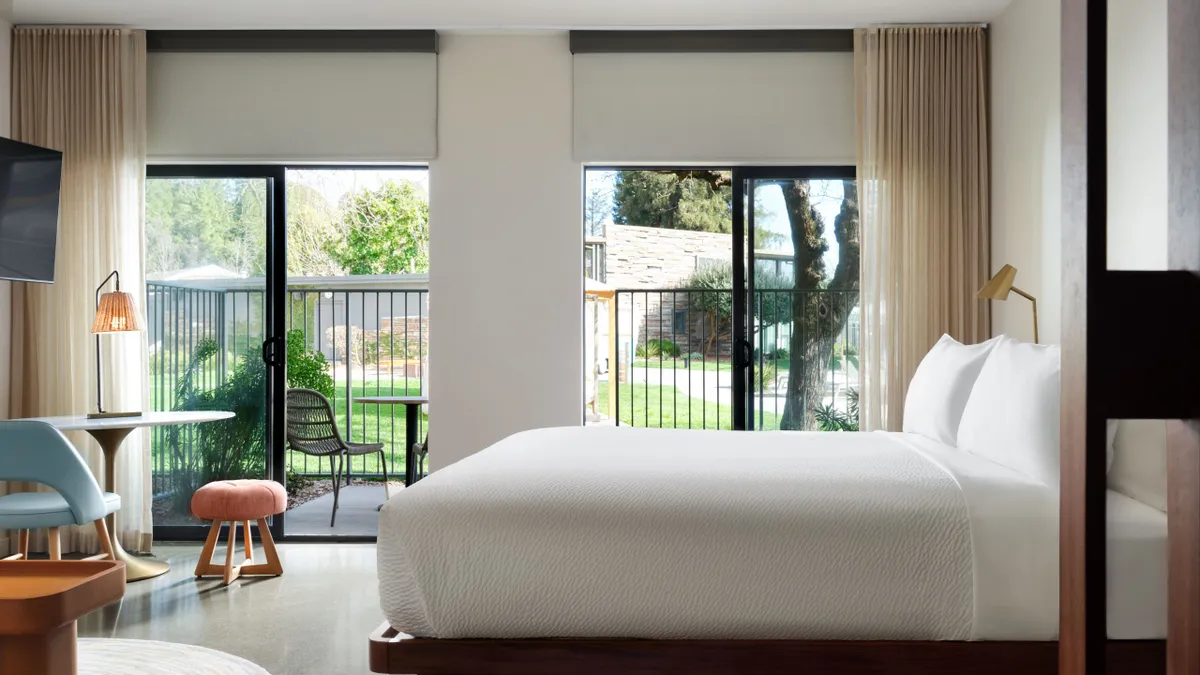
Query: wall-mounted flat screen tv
29, 188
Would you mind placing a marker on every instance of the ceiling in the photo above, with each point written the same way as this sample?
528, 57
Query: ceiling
502, 14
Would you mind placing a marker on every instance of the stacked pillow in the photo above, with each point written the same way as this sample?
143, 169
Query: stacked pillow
1012, 416
998, 399
941, 386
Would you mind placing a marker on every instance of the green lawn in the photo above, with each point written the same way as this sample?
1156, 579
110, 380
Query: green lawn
655, 406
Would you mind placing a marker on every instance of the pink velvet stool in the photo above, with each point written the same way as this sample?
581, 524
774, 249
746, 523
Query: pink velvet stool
233, 502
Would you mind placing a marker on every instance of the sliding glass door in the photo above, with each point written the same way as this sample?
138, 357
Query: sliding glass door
213, 313
798, 322
721, 298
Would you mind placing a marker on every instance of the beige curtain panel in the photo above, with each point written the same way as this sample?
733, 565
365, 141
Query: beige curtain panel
923, 175
82, 91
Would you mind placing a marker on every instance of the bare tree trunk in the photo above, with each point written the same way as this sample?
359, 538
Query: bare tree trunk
818, 317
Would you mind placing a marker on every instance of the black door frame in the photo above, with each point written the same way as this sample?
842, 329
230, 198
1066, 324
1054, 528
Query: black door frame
743, 270
275, 307
276, 301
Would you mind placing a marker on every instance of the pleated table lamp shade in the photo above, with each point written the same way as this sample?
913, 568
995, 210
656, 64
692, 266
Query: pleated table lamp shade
116, 314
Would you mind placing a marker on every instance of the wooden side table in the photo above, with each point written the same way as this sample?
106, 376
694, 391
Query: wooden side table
41, 600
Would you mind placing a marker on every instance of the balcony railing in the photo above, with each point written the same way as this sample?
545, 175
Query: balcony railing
205, 351
674, 353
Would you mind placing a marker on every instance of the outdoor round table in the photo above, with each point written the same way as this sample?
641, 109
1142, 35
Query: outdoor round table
412, 410
109, 432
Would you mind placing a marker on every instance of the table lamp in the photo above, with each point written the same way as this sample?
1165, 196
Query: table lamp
1000, 285
115, 313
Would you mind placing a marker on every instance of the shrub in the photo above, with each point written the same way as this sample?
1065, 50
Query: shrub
655, 348
830, 418
236, 447
305, 369
767, 373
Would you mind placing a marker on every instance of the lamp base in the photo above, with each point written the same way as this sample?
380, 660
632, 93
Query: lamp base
107, 415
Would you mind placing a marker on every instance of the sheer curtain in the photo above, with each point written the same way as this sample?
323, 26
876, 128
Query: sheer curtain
923, 187
82, 91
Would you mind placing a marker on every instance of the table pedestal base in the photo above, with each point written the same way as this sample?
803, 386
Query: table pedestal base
50, 653
136, 567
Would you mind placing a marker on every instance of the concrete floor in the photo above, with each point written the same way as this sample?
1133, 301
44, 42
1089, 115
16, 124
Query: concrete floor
313, 620
358, 513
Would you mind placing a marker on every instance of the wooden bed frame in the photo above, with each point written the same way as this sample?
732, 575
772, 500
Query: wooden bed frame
394, 652
1104, 314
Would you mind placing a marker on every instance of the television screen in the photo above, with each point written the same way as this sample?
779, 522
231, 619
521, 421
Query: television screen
29, 184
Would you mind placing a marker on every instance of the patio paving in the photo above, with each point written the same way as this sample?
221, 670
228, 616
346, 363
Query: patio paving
357, 513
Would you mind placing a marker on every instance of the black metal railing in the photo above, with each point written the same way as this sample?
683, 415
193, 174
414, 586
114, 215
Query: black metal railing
205, 351
377, 343
674, 354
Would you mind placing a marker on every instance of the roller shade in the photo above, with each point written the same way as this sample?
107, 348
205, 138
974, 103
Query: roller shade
795, 108
338, 107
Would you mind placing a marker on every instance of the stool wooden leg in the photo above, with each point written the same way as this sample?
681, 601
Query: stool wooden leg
55, 544
272, 565
210, 544
230, 571
247, 546
105, 542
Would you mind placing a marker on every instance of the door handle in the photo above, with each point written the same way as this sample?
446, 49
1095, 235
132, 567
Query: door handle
270, 355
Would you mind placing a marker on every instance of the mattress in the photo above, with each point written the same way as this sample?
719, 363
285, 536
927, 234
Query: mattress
646, 533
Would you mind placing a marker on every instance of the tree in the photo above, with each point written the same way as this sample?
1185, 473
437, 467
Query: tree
193, 222
386, 231
817, 318
596, 210
313, 224
700, 201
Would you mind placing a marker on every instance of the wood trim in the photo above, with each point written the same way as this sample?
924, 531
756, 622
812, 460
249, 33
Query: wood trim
394, 652
1183, 235
709, 41
291, 41
1082, 559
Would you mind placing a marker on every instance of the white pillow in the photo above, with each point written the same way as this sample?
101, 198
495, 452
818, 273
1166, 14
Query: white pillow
1139, 467
1011, 417
941, 386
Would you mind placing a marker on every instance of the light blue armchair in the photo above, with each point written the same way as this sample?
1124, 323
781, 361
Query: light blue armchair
36, 452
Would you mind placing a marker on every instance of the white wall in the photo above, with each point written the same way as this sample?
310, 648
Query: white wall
1026, 151
1137, 135
1026, 165
505, 203
5, 128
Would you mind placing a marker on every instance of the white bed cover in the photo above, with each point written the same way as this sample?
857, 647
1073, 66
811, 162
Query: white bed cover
645, 533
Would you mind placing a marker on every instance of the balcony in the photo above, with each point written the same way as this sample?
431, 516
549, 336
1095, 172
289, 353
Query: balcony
368, 335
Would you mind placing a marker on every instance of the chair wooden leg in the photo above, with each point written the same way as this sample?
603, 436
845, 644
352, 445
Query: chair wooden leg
247, 547
105, 541
387, 489
204, 564
337, 478
230, 571
22, 546
55, 544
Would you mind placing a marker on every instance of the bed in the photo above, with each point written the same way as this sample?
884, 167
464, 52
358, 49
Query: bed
555, 546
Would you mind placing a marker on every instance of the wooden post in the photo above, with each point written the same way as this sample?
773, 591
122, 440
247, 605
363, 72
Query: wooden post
1082, 518
1183, 436
614, 365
